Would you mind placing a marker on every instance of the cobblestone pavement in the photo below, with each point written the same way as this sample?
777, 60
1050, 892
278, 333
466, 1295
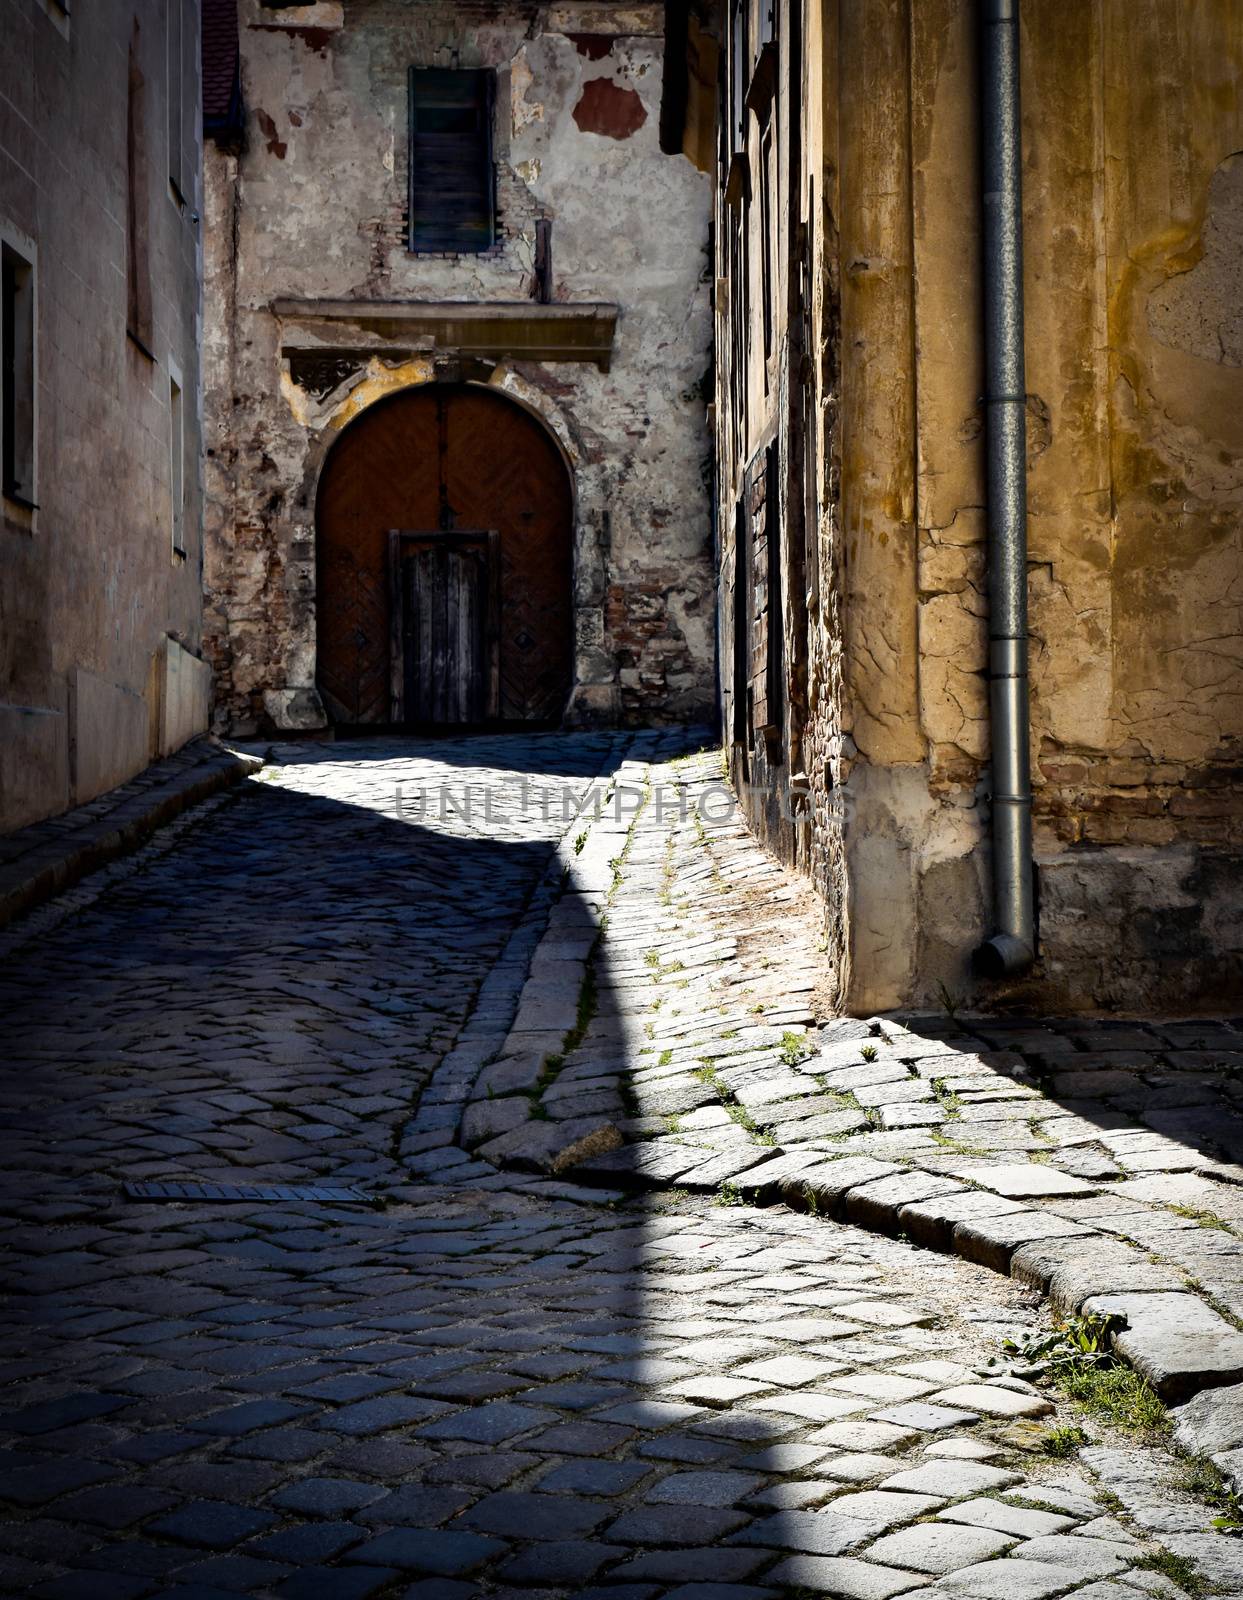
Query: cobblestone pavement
45, 858
486, 1382
1097, 1159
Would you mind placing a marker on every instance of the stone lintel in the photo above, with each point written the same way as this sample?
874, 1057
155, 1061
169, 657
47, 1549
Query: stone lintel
518, 329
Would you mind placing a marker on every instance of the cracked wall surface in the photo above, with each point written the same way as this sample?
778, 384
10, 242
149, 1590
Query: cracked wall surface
1133, 218
314, 209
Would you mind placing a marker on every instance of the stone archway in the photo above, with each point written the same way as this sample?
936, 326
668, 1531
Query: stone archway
444, 531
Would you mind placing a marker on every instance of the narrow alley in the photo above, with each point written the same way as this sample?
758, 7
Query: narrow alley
621, 799
359, 1360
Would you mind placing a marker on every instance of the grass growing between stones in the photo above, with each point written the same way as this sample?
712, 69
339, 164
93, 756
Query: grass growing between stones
733, 1109
1117, 1394
1178, 1570
587, 1003
795, 1047
552, 1064
1200, 1477
1077, 1357
1062, 1442
1202, 1218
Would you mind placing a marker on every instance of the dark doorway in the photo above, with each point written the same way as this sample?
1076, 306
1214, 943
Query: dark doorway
445, 556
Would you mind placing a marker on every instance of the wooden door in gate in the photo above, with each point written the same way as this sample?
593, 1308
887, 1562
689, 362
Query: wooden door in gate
434, 461
444, 650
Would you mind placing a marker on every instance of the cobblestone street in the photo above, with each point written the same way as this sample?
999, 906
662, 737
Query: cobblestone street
511, 1296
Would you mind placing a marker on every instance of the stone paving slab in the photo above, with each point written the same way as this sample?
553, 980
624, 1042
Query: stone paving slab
489, 1383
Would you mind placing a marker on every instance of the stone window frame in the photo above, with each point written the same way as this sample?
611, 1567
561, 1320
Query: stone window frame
20, 493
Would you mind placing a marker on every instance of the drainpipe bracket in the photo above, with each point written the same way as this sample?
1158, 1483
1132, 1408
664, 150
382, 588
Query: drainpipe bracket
1007, 658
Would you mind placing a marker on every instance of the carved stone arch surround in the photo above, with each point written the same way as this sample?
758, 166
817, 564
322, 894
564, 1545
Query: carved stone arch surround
594, 696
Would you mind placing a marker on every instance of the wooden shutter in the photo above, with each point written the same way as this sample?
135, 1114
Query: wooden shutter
452, 188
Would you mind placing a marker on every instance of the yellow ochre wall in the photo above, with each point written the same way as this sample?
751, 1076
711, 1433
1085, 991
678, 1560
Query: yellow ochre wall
1133, 237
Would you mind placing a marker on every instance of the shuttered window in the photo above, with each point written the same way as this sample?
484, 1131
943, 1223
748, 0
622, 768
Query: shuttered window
452, 187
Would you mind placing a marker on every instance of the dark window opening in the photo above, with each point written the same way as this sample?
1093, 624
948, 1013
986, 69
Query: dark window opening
452, 181
766, 248
177, 466
17, 366
542, 288
775, 663
741, 629
738, 72
224, 116
138, 318
176, 36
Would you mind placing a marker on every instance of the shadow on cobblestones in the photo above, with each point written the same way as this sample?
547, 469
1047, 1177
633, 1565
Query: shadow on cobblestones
263, 1003
493, 1384
1180, 1078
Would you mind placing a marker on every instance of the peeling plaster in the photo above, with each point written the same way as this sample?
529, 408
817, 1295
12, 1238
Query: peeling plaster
609, 110
1133, 244
328, 222
1200, 308
523, 111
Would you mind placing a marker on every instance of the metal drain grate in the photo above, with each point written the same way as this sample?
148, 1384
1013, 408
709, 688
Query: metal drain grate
243, 1191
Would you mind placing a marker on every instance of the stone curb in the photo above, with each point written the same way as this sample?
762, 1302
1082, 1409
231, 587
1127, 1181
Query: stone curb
503, 1132
1172, 1337
72, 853
495, 1034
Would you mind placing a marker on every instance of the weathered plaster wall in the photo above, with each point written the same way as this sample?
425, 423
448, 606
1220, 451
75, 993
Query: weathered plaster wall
315, 209
1135, 494
99, 620
1133, 213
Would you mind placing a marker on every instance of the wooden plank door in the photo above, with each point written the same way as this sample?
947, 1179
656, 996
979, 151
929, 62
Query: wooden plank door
503, 471
444, 634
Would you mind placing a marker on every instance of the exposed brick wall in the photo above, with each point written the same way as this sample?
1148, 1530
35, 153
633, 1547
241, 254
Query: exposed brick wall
1119, 800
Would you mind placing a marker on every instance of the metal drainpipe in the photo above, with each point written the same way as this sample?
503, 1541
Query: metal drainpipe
1011, 947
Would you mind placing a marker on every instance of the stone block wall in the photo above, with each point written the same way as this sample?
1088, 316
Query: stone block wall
314, 209
93, 593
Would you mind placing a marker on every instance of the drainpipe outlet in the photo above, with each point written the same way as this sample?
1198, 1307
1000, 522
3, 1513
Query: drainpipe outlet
1003, 956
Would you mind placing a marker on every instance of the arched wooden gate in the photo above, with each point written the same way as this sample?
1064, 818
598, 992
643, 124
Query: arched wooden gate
445, 559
